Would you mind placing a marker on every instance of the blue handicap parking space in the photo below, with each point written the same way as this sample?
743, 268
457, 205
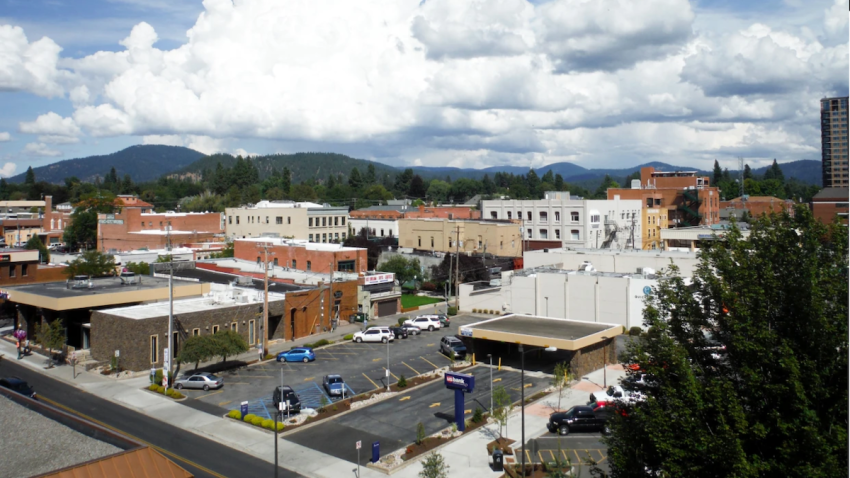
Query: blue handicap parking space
310, 394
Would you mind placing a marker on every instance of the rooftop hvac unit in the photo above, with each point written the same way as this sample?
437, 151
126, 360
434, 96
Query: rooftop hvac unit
635, 183
586, 266
646, 271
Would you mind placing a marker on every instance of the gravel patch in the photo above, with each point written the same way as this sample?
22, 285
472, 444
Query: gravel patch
34, 444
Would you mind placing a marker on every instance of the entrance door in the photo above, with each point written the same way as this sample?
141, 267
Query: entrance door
292, 324
388, 307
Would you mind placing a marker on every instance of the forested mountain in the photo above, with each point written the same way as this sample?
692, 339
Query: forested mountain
141, 162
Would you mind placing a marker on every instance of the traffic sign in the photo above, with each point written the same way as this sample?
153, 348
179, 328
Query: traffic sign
358, 444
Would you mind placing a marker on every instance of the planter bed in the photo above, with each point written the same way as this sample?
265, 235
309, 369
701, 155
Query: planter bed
177, 396
503, 444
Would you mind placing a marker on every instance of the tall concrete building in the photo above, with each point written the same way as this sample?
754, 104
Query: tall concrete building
833, 128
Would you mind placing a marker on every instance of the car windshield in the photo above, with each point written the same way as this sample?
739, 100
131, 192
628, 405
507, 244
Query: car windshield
570, 413
334, 379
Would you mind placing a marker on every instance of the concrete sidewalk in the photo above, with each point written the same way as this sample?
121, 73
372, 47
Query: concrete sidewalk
466, 455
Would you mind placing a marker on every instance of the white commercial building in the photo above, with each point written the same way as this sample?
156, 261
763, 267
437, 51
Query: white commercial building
294, 220
581, 295
590, 223
625, 262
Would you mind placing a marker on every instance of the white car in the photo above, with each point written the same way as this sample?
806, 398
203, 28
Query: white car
425, 322
374, 334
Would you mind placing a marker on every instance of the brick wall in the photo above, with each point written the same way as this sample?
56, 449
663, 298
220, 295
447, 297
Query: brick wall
200, 227
320, 261
590, 358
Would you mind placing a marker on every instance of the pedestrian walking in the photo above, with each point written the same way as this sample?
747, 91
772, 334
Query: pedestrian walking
18, 346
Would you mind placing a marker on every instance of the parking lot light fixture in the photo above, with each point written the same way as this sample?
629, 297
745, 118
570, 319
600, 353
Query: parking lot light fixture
388, 364
522, 353
490, 356
605, 362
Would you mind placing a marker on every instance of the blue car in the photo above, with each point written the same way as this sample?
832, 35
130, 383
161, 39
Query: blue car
298, 354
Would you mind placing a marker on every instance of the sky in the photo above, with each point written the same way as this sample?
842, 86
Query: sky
463, 83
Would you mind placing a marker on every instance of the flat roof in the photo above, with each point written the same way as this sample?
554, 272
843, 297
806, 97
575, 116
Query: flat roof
100, 286
219, 298
541, 331
205, 275
310, 246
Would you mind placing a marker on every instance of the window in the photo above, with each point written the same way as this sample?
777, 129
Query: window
658, 202
557, 216
267, 219
529, 215
215, 329
501, 244
310, 238
288, 220
324, 221
12, 272
345, 266
528, 231
544, 216
336, 221
494, 215
234, 326
324, 238
150, 223
275, 262
432, 244
143, 223
294, 264
309, 265
574, 235
196, 332
544, 234
310, 222
451, 242
557, 233
342, 222
509, 215
574, 216
237, 219
175, 341
24, 270
279, 220
420, 241
594, 218
251, 338
154, 349
229, 220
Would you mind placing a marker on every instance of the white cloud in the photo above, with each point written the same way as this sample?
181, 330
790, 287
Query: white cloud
454, 81
26, 66
40, 149
8, 169
5, 136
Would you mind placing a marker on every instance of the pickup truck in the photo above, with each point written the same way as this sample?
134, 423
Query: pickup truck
579, 419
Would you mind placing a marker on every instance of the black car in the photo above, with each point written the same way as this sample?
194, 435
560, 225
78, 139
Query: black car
399, 332
284, 393
579, 419
18, 386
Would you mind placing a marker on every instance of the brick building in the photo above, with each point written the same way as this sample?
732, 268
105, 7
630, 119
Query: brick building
829, 203
685, 198
132, 228
303, 255
20, 266
755, 206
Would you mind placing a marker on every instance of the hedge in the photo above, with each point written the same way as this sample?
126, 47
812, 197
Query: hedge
348, 337
161, 390
452, 311
266, 423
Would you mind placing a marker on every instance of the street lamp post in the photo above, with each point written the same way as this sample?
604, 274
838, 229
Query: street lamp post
388, 364
490, 356
522, 353
605, 362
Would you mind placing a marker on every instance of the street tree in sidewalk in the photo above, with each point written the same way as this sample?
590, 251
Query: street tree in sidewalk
434, 466
51, 336
197, 349
561, 380
227, 343
746, 373
502, 407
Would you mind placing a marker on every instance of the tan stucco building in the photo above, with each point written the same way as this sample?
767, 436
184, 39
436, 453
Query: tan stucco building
441, 235
286, 219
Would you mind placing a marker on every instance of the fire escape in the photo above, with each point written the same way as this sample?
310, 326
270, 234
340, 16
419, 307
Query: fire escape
690, 208
611, 229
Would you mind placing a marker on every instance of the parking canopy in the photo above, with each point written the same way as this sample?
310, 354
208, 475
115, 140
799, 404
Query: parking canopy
562, 334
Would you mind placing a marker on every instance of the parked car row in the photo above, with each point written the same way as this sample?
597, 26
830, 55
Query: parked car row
17, 385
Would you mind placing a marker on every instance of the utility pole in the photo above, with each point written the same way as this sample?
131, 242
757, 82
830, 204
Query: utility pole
457, 270
264, 332
170, 302
449, 284
331, 307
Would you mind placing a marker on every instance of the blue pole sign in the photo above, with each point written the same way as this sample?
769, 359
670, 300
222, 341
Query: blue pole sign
460, 383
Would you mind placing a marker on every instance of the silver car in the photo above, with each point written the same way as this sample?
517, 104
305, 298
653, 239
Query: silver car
200, 381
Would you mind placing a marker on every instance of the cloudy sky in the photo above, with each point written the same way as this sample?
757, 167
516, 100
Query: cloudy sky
467, 83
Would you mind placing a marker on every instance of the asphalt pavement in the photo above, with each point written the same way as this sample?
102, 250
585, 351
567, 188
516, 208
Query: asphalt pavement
200, 456
393, 422
581, 450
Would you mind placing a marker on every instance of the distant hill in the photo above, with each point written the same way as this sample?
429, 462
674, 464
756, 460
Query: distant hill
303, 166
141, 162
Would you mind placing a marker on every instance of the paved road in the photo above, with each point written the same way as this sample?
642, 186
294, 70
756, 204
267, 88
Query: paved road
583, 450
393, 422
202, 457
362, 366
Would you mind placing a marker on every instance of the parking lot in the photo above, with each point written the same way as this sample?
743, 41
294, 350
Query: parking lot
393, 422
362, 366
582, 450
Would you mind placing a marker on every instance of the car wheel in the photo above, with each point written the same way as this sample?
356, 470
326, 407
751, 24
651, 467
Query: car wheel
206, 388
564, 430
384, 340
430, 328
358, 340
179, 386
278, 359
305, 360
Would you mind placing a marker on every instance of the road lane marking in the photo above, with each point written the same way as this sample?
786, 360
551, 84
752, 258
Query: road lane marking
434, 405
497, 380
161, 450
527, 456
411, 368
467, 412
527, 385
207, 395
577, 457
404, 398
378, 359
371, 381
396, 378
431, 345
309, 379
221, 404
441, 355
430, 362
601, 456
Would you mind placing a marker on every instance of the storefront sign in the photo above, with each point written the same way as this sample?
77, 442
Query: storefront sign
459, 381
378, 279
5, 257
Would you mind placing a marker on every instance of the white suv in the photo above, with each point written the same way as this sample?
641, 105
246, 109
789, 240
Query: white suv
374, 334
426, 322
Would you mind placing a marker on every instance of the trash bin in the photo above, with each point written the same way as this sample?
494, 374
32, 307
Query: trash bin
498, 460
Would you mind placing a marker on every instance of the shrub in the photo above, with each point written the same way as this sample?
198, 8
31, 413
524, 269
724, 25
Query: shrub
635, 331
308, 345
420, 433
492, 312
249, 417
268, 424
160, 389
402, 382
323, 402
429, 286
401, 321
321, 343
153, 387
334, 407
257, 421
452, 311
235, 414
280, 426
478, 415
269, 357
157, 378
348, 337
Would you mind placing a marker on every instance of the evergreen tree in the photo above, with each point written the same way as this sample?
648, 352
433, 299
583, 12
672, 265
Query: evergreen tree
402, 182
331, 182
221, 180
29, 179
607, 183
533, 183
417, 187
127, 185
549, 177
718, 174
559, 183
777, 172
748, 173
110, 181
286, 181
487, 186
371, 175
355, 181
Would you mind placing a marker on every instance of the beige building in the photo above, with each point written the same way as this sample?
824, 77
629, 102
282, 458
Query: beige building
441, 235
286, 219
654, 220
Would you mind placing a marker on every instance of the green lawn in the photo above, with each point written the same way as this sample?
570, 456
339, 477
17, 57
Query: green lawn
417, 300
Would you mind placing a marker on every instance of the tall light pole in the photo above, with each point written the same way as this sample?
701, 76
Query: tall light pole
605, 362
388, 363
170, 305
490, 356
522, 353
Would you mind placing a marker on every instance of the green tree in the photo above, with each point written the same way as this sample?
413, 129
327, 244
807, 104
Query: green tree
438, 191
35, 243
463, 188
487, 185
29, 178
50, 335
371, 175
286, 180
227, 343
502, 407
377, 193
83, 228
774, 402
607, 183
91, 263
139, 268
197, 349
561, 379
355, 181
434, 466
559, 183
304, 192
718, 174
417, 187
404, 269
748, 173
402, 182
532, 181
225, 253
